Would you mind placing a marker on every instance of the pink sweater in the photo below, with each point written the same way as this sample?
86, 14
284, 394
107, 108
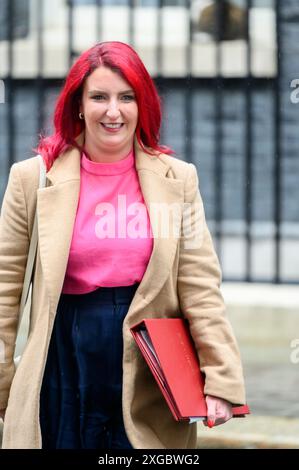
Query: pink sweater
112, 239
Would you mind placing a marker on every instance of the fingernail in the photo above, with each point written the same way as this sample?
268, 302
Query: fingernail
211, 423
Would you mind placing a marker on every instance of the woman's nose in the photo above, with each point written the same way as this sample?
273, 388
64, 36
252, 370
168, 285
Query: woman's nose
113, 110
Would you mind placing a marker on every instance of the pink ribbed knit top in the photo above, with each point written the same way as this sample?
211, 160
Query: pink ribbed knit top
112, 238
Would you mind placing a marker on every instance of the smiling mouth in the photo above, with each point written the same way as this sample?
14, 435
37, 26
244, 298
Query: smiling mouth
112, 126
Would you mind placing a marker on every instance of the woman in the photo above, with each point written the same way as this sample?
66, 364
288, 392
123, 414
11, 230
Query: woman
102, 266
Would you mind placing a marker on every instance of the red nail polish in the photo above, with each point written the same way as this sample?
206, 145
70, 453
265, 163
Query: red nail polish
211, 423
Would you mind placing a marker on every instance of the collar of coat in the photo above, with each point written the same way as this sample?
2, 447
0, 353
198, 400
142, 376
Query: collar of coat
56, 212
67, 166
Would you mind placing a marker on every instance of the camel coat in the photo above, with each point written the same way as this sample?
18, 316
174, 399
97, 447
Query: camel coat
181, 279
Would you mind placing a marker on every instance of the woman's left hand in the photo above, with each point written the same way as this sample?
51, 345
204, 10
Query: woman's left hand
218, 411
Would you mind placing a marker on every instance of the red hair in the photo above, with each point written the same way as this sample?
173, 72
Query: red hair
122, 59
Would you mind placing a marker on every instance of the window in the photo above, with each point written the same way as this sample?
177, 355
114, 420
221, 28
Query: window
20, 9
231, 25
137, 3
103, 2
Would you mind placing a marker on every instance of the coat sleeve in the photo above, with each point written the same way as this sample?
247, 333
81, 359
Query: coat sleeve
199, 279
14, 245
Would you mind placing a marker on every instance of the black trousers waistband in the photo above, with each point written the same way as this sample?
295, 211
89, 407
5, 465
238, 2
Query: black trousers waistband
119, 294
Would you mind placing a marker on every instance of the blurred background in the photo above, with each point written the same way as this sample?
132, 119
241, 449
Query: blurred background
228, 75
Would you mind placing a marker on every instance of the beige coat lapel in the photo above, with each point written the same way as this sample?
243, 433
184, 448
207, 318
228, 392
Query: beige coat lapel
158, 189
56, 212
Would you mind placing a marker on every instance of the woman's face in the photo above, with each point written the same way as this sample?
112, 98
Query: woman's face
110, 113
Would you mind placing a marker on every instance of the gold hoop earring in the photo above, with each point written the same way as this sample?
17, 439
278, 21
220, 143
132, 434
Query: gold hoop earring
81, 116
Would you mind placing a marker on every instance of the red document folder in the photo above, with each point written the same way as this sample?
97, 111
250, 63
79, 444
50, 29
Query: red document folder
168, 349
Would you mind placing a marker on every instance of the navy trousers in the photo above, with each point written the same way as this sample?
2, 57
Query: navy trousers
81, 394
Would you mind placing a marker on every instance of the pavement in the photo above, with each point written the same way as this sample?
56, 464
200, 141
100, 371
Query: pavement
265, 319
252, 432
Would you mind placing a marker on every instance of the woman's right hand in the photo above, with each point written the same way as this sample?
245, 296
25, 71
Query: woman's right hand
2, 413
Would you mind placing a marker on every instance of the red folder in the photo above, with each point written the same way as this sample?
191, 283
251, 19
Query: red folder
168, 349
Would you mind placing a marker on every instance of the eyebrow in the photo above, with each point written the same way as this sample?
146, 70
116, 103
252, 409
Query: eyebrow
91, 92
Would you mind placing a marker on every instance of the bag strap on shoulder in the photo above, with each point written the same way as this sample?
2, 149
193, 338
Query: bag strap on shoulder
32, 247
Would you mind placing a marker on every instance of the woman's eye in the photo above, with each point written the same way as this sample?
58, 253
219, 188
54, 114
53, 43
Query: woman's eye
128, 97
98, 97
103, 97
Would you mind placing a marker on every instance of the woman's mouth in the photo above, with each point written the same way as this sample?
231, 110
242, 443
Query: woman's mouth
112, 127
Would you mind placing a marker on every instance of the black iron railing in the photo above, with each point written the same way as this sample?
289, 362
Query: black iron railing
187, 88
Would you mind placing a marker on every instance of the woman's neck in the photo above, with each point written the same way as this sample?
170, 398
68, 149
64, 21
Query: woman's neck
98, 155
